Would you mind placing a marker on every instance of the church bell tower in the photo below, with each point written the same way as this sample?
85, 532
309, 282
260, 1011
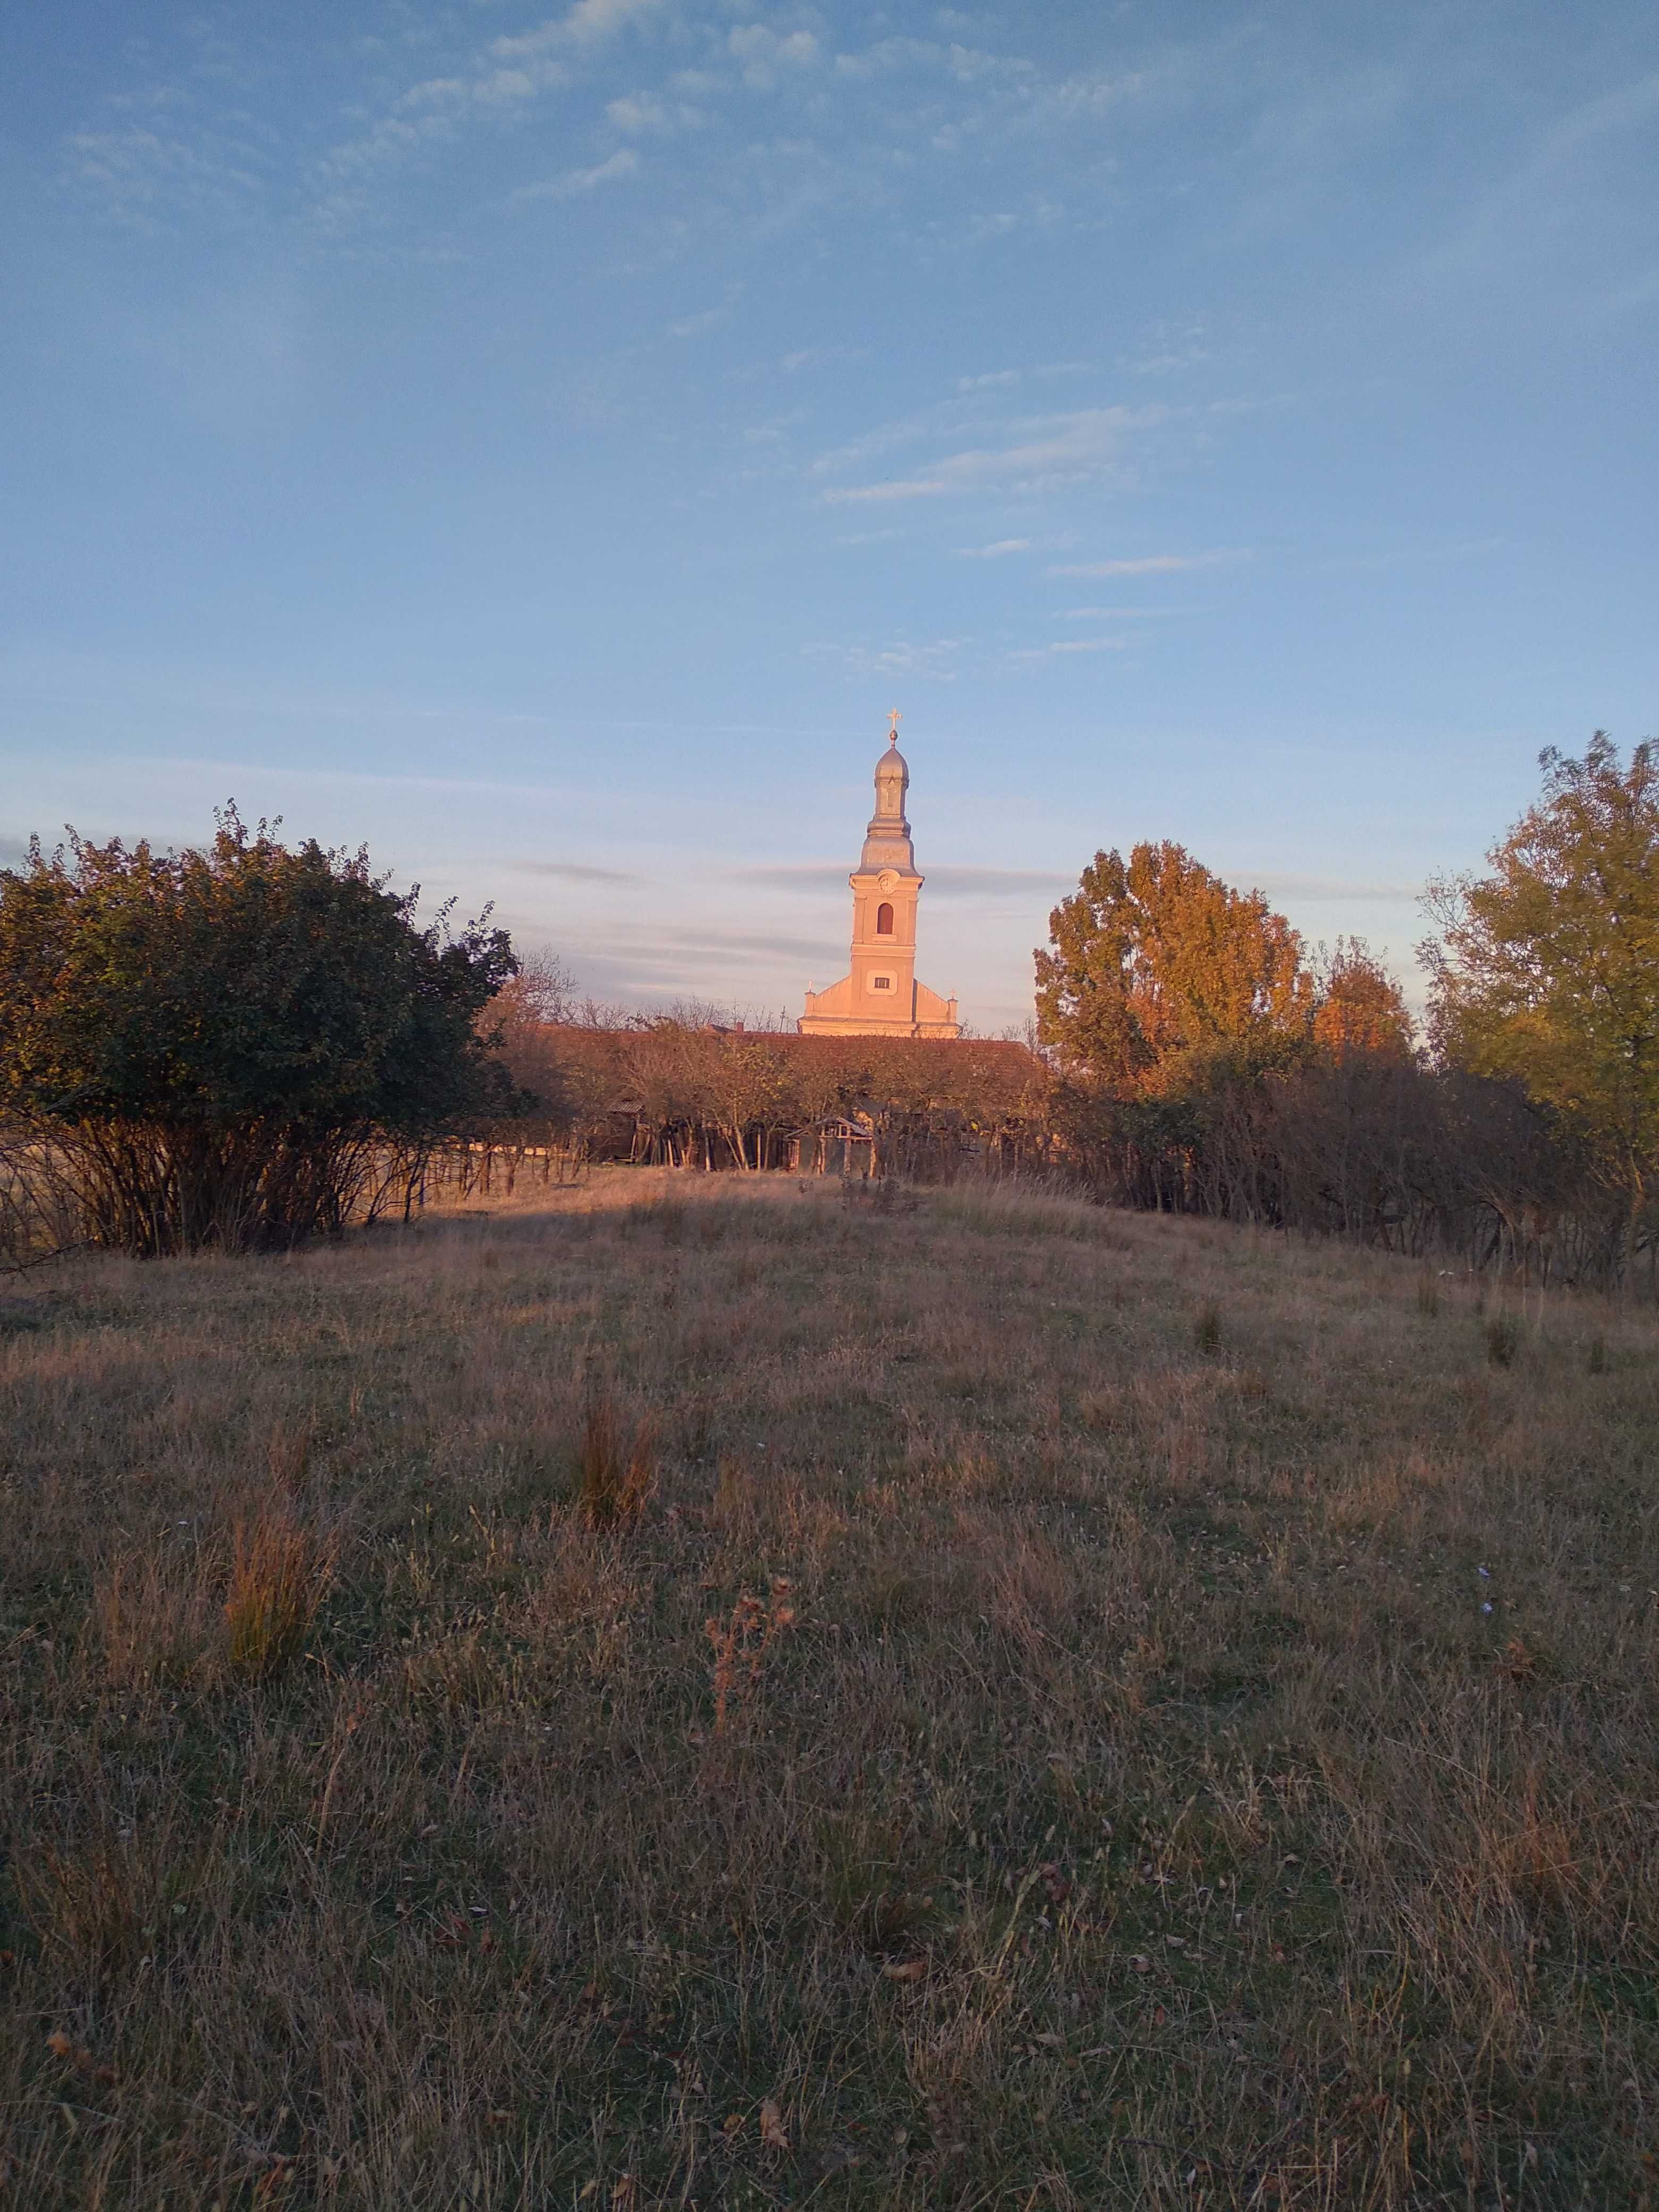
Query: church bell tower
881, 996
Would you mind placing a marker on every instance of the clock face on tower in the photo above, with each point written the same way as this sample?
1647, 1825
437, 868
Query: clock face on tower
888, 880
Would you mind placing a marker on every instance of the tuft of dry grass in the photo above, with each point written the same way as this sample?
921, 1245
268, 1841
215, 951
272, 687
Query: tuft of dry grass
280, 1570
617, 1464
955, 1740
1503, 1334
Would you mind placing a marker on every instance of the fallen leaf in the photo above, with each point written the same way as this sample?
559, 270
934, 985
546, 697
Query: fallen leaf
773, 2133
58, 2044
905, 1970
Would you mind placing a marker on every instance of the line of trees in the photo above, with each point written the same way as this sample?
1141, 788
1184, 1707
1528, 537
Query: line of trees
241, 1046
686, 1090
1201, 1064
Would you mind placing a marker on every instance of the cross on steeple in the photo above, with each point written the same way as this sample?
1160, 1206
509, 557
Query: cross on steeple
894, 718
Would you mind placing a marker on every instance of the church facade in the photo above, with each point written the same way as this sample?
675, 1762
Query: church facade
881, 996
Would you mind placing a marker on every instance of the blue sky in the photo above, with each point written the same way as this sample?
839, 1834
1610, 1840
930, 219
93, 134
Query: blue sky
543, 445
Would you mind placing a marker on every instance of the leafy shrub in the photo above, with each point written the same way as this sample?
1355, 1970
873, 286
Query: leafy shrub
216, 1048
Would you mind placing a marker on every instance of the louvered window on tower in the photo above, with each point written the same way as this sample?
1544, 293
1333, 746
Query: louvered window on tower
884, 920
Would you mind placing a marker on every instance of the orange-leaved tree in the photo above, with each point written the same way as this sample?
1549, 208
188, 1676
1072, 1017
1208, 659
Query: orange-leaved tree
1360, 1011
1156, 967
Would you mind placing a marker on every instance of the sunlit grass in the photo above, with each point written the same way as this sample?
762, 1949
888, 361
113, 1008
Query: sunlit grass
725, 1693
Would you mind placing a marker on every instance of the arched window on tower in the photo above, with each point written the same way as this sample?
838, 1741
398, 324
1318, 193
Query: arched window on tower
884, 920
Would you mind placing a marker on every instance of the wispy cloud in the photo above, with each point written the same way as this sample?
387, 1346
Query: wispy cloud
995, 551
815, 878
706, 319
624, 162
585, 24
1116, 614
642, 113
507, 76
763, 54
1047, 452
1003, 380
572, 871
964, 883
1065, 645
1273, 885
931, 661
811, 877
1144, 564
141, 174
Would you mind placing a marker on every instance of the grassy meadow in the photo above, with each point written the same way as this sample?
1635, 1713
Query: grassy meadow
715, 1691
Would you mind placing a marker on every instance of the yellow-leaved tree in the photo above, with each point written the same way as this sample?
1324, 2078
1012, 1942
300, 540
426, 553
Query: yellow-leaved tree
1547, 970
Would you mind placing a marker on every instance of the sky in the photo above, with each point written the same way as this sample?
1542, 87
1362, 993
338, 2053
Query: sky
543, 447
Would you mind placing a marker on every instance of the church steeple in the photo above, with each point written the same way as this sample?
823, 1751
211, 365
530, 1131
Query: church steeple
887, 836
881, 996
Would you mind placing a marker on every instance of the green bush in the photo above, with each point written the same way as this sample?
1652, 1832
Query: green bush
225, 1043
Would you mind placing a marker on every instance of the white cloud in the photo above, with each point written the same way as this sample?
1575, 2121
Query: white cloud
930, 662
763, 53
901, 488
1112, 614
996, 550
598, 19
802, 357
1047, 452
1326, 887
691, 327
584, 24
707, 319
1144, 564
574, 872
985, 383
1070, 645
140, 175
623, 163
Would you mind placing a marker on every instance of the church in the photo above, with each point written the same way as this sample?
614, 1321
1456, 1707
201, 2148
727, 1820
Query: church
881, 996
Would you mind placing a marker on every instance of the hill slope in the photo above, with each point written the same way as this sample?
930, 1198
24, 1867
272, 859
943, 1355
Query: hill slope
1092, 1709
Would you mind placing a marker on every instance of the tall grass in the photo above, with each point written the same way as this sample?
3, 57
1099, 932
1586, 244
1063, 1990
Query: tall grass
958, 1739
617, 1462
280, 1569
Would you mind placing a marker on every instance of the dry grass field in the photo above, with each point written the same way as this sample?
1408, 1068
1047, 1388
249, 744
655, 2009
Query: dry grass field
706, 1691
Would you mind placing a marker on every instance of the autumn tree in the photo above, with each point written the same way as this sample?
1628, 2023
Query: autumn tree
524, 1023
1359, 1009
1156, 965
1546, 969
221, 1039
